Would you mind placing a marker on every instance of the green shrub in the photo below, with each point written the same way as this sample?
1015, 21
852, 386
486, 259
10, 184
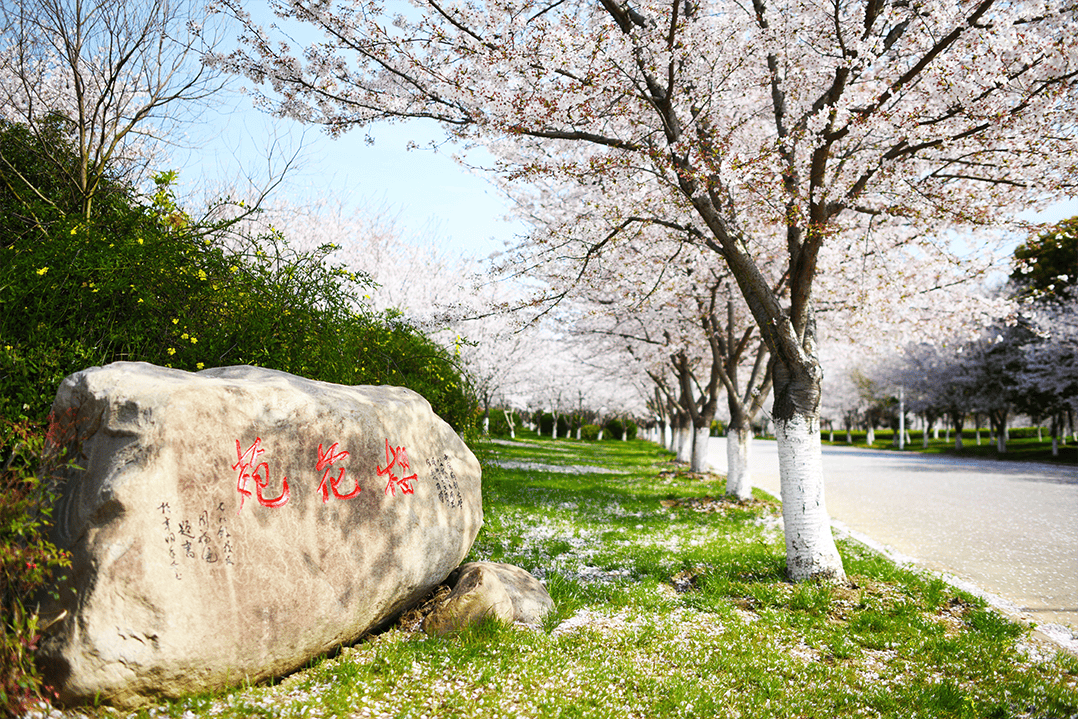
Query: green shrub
589, 432
616, 427
546, 424
139, 280
27, 559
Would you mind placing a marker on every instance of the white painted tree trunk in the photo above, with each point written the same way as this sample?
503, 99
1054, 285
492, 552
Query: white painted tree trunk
684, 444
738, 454
870, 437
700, 438
810, 547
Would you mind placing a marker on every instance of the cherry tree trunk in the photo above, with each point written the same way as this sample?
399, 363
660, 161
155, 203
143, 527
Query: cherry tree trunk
684, 440
738, 447
738, 452
1055, 434
958, 419
810, 546
700, 436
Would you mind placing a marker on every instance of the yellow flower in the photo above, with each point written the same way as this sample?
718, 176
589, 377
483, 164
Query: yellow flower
194, 340
43, 270
172, 350
199, 365
175, 321
202, 275
140, 240
184, 336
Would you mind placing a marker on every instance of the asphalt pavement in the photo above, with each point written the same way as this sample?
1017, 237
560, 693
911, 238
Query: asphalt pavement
1007, 529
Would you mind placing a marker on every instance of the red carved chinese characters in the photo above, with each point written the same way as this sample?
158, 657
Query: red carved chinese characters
396, 457
248, 469
249, 466
325, 459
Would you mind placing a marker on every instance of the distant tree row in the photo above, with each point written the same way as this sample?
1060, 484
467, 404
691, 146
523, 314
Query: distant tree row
1026, 364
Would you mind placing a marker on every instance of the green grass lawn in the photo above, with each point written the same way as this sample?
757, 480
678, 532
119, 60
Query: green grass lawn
672, 602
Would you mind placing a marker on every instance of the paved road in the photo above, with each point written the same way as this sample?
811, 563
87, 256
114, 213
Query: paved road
1008, 528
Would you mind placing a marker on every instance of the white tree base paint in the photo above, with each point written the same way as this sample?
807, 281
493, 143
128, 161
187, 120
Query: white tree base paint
700, 438
810, 547
738, 476
684, 444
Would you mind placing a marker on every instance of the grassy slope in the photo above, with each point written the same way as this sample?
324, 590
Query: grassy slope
671, 603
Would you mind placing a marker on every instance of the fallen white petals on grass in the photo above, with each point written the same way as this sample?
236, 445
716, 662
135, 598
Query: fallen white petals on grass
555, 468
595, 621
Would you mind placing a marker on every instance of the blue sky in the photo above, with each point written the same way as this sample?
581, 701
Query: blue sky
430, 192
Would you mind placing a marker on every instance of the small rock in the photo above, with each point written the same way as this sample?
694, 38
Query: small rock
489, 589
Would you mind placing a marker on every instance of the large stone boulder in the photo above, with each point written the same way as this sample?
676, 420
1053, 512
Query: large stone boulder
231, 524
489, 590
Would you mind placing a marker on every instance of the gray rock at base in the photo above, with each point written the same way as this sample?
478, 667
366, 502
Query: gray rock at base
231, 524
489, 589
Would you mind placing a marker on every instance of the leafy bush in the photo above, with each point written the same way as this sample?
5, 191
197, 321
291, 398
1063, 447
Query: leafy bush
589, 432
27, 560
617, 427
140, 280
614, 428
